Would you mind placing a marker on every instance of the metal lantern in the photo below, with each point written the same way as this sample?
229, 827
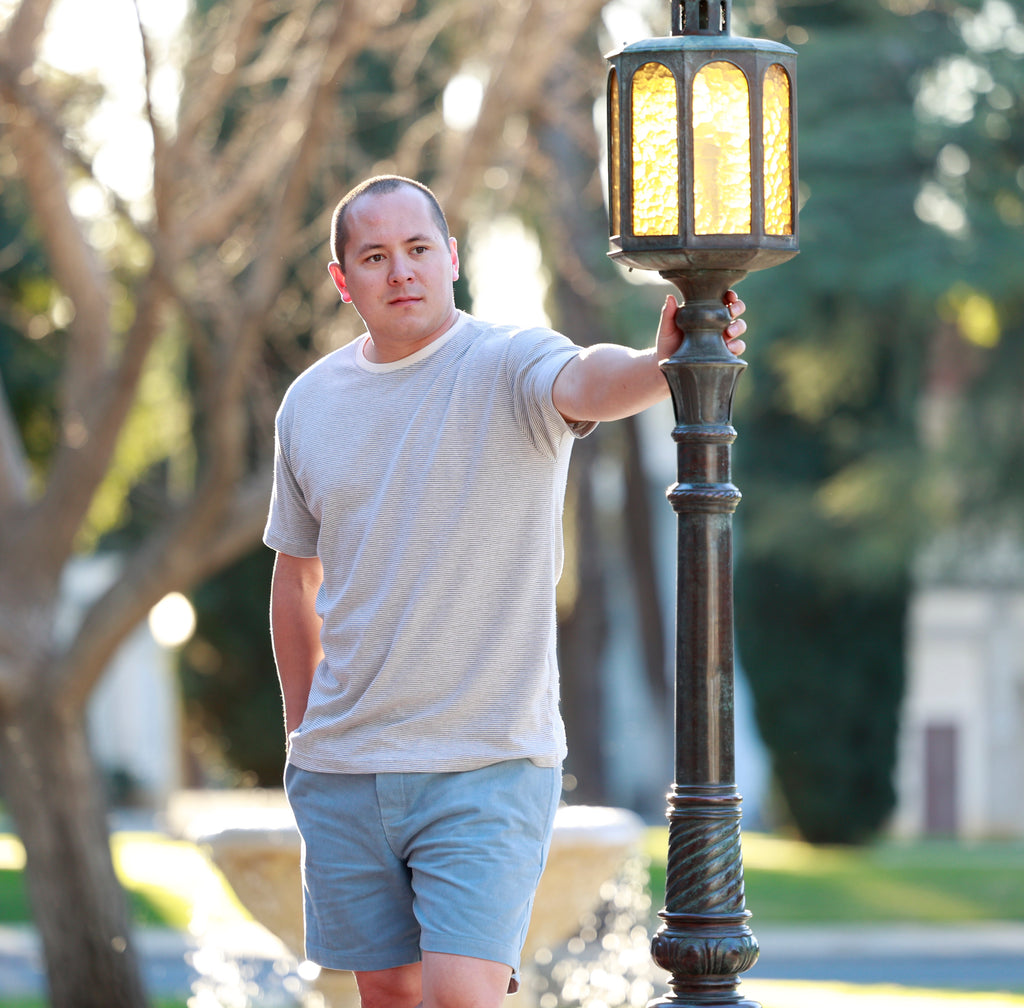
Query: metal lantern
702, 188
702, 147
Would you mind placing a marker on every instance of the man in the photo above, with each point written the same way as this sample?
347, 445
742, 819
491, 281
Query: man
417, 519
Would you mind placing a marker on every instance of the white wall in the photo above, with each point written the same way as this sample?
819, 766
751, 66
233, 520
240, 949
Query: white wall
965, 668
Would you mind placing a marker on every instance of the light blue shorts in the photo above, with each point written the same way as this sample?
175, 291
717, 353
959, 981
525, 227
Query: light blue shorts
396, 864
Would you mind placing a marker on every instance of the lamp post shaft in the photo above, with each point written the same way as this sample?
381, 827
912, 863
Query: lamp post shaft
704, 941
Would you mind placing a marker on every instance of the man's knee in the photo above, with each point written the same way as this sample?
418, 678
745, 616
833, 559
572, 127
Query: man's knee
401, 987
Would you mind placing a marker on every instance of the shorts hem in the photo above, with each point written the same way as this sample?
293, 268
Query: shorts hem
333, 960
453, 945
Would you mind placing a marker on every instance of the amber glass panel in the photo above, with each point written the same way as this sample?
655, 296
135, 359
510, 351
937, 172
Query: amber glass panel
615, 168
778, 183
655, 152
721, 150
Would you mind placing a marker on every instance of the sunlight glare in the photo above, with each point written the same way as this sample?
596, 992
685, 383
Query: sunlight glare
12, 853
507, 281
935, 206
948, 92
624, 23
994, 27
460, 103
172, 621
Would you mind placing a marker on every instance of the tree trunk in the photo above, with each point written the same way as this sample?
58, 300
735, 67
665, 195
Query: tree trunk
49, 780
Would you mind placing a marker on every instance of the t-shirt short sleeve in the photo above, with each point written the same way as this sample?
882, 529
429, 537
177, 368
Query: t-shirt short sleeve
536, 357
291, 527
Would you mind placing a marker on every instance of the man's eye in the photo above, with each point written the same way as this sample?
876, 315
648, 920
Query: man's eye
376, 257
420, 249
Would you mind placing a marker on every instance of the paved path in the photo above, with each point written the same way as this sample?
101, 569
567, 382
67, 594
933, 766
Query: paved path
979, 957
982, 957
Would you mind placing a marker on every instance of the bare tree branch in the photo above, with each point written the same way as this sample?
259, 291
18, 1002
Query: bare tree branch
20, 39
74, 262
222, 63
162, 192
82, 460
516, 81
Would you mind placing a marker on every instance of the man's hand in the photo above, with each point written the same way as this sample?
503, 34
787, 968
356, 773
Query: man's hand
670, 336
607, 381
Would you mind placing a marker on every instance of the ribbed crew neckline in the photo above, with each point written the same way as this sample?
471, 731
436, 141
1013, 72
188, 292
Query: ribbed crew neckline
414, 358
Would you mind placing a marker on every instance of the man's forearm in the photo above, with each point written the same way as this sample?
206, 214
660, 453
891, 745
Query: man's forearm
295, 629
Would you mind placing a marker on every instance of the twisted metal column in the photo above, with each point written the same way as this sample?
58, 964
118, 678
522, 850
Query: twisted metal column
704, 941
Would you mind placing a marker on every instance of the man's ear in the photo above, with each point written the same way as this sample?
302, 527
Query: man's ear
339, 281
453, 246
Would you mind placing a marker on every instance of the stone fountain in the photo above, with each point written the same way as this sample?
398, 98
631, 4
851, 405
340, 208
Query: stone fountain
256, 847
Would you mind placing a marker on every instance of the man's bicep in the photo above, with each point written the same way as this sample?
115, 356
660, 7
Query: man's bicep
566, 390
295, 572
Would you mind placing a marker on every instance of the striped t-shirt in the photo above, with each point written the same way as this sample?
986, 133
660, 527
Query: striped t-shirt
431, 488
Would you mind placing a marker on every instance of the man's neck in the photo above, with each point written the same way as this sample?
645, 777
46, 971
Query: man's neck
387, 351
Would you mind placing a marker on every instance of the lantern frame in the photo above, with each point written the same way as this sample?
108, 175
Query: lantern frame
684, 56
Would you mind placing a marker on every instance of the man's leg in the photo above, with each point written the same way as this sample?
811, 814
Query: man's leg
401, 987
440, 981
454, 981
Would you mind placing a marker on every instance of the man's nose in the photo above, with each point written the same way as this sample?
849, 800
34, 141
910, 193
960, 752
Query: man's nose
401, 270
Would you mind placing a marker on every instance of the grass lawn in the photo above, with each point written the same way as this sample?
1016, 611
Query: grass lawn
936, 882
168, 882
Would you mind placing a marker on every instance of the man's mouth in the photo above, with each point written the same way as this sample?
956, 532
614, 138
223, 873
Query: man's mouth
404, 299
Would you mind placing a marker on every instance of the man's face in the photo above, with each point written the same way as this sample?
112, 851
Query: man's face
399, 271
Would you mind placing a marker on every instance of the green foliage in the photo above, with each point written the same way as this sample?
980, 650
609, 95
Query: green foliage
828, 686
30, 306
906, 294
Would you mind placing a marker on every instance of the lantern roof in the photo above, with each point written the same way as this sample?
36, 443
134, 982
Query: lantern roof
720, 43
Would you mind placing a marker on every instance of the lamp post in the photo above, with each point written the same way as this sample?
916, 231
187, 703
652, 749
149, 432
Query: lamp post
702, 188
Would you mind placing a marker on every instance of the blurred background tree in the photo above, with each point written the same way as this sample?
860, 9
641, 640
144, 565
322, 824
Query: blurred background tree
165, 322
883, 405
146, 338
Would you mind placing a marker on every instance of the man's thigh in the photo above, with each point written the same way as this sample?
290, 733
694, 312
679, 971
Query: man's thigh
357, 892
477, 858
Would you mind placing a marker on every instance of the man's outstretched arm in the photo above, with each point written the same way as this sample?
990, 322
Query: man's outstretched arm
607, 381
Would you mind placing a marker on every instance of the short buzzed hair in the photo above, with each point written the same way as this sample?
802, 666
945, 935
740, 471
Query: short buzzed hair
379, 185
